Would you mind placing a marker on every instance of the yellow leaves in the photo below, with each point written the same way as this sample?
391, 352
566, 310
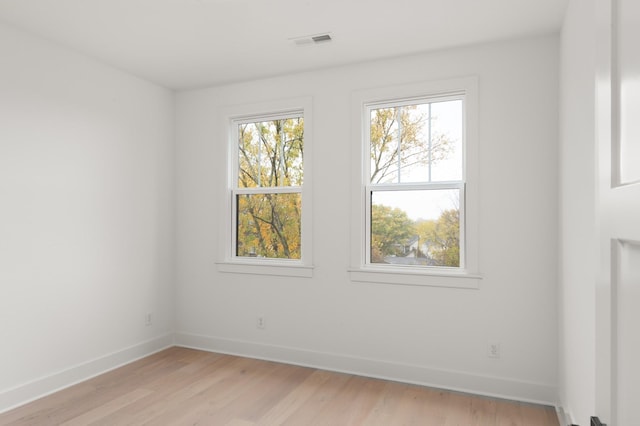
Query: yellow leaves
442, 237
402, 141
269, 225
270, 153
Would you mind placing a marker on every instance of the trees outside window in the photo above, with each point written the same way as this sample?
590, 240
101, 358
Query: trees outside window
266, 217
268, 189
416, 182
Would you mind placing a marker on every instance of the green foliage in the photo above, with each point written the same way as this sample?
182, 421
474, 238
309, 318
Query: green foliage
442, 237
390, 229
271, 155
403, 143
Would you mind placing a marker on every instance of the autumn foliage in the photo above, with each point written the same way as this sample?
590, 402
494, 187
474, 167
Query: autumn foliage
270, 164
399, 153
270, 177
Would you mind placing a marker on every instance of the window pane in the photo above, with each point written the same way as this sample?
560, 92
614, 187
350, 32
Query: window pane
270, 153
446, 128
420, 227
268, 225
416, 143
384, 145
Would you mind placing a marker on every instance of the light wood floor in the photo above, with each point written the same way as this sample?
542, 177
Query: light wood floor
187, 387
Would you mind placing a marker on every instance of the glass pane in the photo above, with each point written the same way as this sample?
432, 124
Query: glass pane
270, 153
416, 143
268, 225
384, 145
420, 227
446, 129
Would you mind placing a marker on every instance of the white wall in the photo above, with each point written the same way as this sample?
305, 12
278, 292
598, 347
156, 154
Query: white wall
428, 335
86, 217
578, 251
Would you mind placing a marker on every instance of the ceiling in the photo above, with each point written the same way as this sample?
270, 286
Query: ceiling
193, 43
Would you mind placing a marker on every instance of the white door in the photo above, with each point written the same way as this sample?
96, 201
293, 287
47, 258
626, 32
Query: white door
618, 288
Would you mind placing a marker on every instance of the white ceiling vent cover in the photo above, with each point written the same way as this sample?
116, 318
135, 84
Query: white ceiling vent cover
311, 39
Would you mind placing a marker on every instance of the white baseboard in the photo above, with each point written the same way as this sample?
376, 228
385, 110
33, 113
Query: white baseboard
22, 394
496, 387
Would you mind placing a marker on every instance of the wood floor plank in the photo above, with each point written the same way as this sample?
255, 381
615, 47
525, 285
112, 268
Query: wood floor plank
422, 406
110, 407
483, 412
184, 402
35, 412
172, 391
210, 404
269, 392
458, 408
386, 408
352, 403
108, 388
240, 422
281, 411
257, 396
306, 414
182, 386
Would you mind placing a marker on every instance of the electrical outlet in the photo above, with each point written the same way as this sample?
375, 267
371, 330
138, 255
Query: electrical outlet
260, 323
493, 350
148, 319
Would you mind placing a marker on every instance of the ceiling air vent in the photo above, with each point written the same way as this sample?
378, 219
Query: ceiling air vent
311, 39
321, 38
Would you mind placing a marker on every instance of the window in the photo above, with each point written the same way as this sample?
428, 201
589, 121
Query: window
416, 182
414, 191
269, 218
267, 198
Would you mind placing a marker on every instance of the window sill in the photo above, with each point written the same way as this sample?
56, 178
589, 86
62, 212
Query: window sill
414, 277
278, 269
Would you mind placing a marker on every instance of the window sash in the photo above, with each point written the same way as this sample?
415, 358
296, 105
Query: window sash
369, 107
259, 118
414, 186
369, 189
237, 190
238, 121
228, 120
267, 190
408, 101
234, 233
362, 101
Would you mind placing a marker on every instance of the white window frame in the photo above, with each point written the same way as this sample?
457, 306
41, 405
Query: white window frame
361, 269
231, 118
